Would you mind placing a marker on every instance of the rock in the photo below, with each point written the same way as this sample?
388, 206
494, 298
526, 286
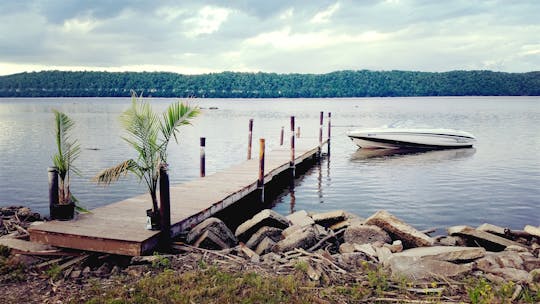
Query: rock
265, 246
290, 230
491, 229
217, 227
396, 246
485, 239
103, 270
271, 232
302, 238
511, 274
328, 219
365, 234
340, 225
532, 230
531, 263
346, 248
321, 231
402, 231
353, 260
493, 278
504, 259
75, 274
115, 270
383, 255
445, 253
366, 248
516, 248
300, 218
86, 271
266, 217
210, 240
416, 268
534, 276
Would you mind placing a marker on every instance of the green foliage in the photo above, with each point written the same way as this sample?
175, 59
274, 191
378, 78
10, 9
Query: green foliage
68, 150
161, 262
149, 137
54, 272
11, 270
361, 83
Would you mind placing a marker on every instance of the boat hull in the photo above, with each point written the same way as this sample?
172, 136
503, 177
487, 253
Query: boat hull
411, 138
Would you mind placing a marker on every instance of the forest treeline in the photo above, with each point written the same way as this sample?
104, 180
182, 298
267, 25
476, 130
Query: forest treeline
362, 83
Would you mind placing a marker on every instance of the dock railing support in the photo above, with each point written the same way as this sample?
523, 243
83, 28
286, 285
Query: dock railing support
260, 182
320, 134
329, 130
281, 136
292, 164
203, 157
53, 188
164, 207
250, 135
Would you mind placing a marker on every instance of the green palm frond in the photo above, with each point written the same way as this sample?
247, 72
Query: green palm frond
176, 115
113, 174
68, 150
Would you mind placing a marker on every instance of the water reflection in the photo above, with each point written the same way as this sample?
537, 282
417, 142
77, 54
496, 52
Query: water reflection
412, 155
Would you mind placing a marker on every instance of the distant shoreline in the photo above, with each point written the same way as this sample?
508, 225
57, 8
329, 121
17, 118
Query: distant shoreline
340, 84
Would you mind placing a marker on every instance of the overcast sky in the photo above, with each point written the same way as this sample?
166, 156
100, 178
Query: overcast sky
282, 36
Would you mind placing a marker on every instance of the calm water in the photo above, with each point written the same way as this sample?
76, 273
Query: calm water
498, 181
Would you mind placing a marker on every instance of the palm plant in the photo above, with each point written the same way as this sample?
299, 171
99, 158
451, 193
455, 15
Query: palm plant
149, 136
68, 151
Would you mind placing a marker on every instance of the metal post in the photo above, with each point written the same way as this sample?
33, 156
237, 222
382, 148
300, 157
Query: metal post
53, 188
260, 181
292, 162
281, 136
249, 138
164, 206
329, 130
203, 157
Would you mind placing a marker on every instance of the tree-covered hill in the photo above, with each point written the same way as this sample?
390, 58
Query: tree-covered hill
362, 83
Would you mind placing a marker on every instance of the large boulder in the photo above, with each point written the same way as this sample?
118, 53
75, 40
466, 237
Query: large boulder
365, 234
265, 232
302, 238
300, 218
487, 240
417, 268
445, 253
399, 229
266, 217
218, 229
327, 219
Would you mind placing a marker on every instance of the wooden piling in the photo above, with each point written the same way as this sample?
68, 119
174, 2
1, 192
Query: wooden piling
53, 187
319, 154
281, 136
250, 135
203, 156
329, 130
164, 207
292, 164
260, 182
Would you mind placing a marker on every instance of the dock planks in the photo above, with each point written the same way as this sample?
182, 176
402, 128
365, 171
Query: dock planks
119, 228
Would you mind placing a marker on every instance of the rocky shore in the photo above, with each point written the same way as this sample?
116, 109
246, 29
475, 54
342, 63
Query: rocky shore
327, 249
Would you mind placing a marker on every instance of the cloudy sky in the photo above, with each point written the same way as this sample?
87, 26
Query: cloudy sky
283, 36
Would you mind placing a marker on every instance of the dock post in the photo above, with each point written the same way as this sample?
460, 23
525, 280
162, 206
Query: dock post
260, 182
203, 156
164, 207
53, 188
249, 138
320, 134
281, 136
329, 130
292, 162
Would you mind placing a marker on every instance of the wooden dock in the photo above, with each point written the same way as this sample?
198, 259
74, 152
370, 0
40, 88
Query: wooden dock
119, 228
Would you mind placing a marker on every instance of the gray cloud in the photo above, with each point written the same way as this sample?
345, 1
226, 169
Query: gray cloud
272, 36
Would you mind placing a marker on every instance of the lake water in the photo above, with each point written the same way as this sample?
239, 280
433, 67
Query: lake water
498, 181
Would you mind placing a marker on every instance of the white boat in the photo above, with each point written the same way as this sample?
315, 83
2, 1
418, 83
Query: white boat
393, 138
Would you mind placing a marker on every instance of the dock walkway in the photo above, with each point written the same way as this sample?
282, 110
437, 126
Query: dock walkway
119, 228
